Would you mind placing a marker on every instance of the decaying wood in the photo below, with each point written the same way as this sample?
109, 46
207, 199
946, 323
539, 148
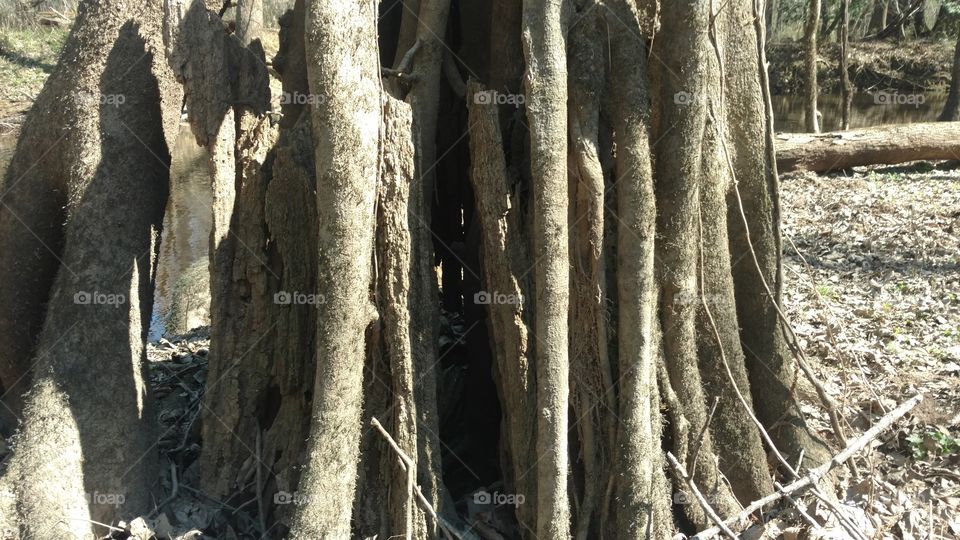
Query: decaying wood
881, 145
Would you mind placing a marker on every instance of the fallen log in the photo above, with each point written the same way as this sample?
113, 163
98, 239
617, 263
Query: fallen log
880, 145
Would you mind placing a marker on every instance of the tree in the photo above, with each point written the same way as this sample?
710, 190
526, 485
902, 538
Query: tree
249, 20
82, 207
845, 86
812, 119
625, 218
951, 108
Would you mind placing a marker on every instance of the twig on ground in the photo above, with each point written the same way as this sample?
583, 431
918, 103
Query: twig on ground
174, 489
699, 496
820, 471
407, 465
261, 512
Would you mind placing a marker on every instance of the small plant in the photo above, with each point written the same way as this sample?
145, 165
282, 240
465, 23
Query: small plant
825, 291
932, 442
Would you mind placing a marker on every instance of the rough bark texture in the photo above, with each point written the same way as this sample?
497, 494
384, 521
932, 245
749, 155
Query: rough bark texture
640, 503
343, 68
868, 146
544, 40
704, 361
590, 376
506, 264
406, 346
753, 220
98, 206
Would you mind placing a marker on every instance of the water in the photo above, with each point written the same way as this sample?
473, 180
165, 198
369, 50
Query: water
182, 295
865, 110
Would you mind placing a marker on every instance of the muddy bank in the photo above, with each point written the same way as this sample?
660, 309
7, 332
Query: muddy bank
918, 66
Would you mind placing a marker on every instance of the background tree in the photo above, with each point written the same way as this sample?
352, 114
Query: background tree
811, 118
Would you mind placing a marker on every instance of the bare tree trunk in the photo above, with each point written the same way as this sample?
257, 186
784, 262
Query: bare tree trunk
812, 119
544, 39
506, 263
846, 90
951, 109
249, 20
346, 131
112, 109
640, 502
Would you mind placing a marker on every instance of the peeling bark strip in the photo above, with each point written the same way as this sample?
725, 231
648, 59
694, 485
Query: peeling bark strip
544, 38
343, 68
397, 258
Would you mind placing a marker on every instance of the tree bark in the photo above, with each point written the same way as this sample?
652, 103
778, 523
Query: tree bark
506, 263
346, 130
846, 90
881, 145
544, 39
107, 117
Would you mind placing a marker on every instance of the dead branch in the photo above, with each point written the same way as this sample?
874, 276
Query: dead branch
700, 498
814, 474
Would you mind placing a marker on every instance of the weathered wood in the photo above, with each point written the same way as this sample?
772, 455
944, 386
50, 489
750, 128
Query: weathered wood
880, 145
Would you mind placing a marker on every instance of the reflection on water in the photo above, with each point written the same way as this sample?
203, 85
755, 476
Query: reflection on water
182, 295
182, 299
865, 110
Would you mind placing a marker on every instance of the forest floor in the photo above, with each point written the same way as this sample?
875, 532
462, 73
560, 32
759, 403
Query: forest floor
872, 288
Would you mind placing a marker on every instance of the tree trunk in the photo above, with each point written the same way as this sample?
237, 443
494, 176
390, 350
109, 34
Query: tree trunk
812, 118
846, 89
625, 215
881, 145
346, 135
97, 205
544, 39
951, 109
249, 20
640, 483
